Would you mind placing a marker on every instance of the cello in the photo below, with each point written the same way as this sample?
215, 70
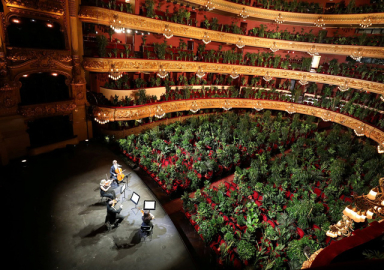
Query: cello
119, 174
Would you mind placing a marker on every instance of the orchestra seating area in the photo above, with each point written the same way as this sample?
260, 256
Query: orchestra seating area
256, 127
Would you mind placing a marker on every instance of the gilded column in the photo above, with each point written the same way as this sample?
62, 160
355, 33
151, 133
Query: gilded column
81, 127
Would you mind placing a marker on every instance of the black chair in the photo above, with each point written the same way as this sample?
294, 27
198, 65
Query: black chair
146, 231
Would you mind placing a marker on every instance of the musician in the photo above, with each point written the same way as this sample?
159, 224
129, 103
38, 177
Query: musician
106, 190
112, 171
113, 215
147, 217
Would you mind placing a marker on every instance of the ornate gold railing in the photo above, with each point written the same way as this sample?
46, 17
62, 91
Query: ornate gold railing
104, 16
54, 7
134, 65
47, 109
138, 112
345, 20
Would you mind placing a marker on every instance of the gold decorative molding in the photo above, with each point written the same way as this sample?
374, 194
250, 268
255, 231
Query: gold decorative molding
138, 112
49, 6
9, 98
47, 109
28, 61
121, 134
104, 16
135, 65
344, 20
21, 55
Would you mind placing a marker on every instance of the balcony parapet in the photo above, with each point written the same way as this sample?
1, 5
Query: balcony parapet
145, 65
104, 16
343, 20
143, 111
47, 109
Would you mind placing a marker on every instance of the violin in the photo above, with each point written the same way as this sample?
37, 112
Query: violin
119, 174
114, 202
108, 183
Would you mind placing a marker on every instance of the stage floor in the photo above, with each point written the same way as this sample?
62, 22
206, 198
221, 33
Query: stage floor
63, 226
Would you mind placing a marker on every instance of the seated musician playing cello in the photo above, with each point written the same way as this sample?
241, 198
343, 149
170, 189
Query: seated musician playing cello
146, 218
106, 190
113, 171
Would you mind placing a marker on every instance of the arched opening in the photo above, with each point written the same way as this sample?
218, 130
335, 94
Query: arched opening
43, 87
34, 33
50, 130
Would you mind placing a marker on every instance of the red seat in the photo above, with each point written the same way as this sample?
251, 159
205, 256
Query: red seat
227, 185
271, 223
317, 191
255, 195
300, 232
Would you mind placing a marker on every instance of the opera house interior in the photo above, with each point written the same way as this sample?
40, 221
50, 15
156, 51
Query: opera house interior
193, 134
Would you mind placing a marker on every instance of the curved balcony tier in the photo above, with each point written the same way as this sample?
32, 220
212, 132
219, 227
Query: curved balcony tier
143, 111
145, 65
104, 16
330, 20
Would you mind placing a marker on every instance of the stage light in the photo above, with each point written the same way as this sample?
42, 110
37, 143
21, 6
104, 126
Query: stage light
54, 74
25, 75
16, 21
32, 20
24, 160
49, 25
86, 140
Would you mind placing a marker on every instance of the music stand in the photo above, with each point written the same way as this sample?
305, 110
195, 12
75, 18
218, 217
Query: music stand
135, 199
122, 190
149, 205
128, 176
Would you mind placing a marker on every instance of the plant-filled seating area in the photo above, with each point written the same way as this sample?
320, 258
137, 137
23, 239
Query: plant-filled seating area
361, 40
163, 51
183, 16
311, 7
183, 155
280, 204
364, 106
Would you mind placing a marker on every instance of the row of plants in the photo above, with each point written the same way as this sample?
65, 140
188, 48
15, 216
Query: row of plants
110, 4
351, 103
361, 40
313, 7
361, 105
293, 6
183, 16
280, 205
183, 155
351, 68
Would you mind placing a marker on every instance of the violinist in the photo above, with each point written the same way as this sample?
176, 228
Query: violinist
106, 190
113, 215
